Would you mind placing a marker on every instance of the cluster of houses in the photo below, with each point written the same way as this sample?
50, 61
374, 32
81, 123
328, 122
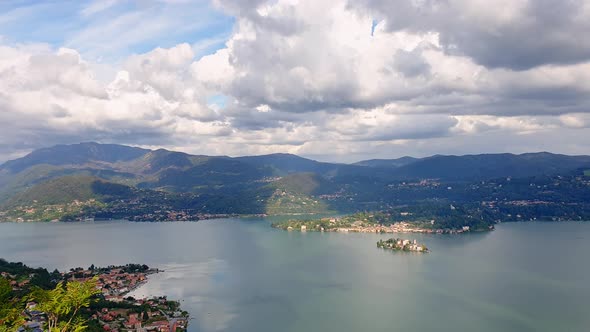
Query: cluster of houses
37, 212
17, 284
425, 183
113, 282
156, 314
400, 244
120, 313
177, 215
360, 227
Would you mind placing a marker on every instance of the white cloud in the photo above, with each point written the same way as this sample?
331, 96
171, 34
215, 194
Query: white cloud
576, 120
309, 77
214, 71
53, 97
163, 69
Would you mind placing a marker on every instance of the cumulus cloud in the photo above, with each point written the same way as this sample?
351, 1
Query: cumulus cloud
333, 61
336, 79
53, 97
515, 34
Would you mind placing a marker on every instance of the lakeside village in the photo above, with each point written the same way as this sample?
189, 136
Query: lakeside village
75, 211
345, 225
402, 245
111, 310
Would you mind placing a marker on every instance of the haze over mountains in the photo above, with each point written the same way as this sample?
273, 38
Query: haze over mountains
279, 182
158, 168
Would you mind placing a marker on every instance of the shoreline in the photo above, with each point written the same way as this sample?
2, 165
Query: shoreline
395, 228
144, 282
110, 307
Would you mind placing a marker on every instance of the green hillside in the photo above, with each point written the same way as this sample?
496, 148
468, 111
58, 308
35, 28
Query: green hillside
66, 189
75, 154
283, 202
57, 191
298, 193
392, 163
112, 181
303, 183
490, 166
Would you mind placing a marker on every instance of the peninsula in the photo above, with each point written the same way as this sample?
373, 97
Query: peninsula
28, 296
387, 222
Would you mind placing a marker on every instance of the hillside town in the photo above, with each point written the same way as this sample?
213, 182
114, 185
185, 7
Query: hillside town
113, 310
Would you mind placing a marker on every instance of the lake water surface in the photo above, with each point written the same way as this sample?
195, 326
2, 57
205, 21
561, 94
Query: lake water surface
242, 275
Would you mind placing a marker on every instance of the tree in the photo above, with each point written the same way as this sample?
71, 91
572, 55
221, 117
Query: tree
10, 308
63, 303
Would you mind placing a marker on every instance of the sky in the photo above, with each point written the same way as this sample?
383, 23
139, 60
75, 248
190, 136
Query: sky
332, 80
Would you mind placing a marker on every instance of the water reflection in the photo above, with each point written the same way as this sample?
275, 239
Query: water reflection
197, 285
236, 275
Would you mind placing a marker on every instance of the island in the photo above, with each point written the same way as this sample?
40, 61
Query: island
92, 299
402, 245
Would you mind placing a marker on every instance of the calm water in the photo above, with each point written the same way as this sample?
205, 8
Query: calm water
242, 275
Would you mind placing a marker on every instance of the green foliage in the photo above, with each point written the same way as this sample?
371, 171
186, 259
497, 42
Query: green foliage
489, 166
284, 202
283, 164
111, 190
398, 245
299, 183
38, 277
211, 172
12, 184
178, 186
67, 305
10, 308
57, 191
421, 216
62, 304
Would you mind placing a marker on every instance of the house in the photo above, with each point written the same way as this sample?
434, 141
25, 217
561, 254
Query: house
31, 327
160, 326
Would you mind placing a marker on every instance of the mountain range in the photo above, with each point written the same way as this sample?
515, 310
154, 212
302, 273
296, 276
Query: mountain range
279, 182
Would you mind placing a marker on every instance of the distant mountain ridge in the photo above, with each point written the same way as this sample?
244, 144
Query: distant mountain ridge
272, 179
284, 163
135, 160
398, 162
489, 166
75, 154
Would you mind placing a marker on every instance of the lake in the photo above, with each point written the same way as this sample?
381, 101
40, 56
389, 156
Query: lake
243, 275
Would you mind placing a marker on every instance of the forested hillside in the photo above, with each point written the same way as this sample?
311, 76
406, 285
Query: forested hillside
90, 180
